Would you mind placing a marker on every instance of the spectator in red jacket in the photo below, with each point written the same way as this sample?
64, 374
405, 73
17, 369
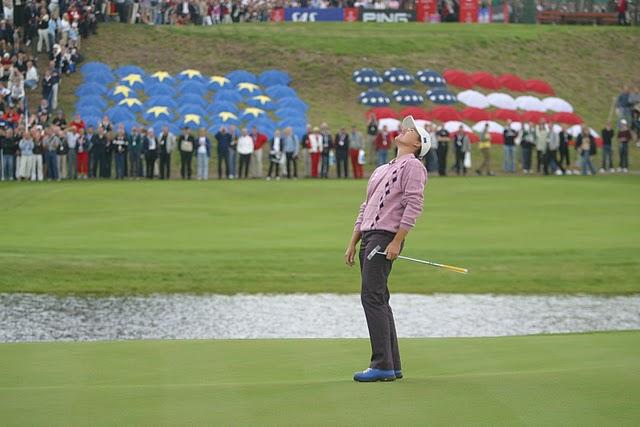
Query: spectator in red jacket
77, 123
622, 12
259, 140
383, 144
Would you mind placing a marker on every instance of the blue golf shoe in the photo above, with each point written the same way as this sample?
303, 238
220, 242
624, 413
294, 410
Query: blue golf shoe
371, 375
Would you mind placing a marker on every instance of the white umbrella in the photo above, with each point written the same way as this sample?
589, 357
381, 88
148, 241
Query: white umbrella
422, 123
473, 98
391, 124
493, 126
558, 105
453, 125
577, 130
502, 100
530, 103
516, 126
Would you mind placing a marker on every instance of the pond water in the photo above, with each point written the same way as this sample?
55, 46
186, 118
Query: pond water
32, 317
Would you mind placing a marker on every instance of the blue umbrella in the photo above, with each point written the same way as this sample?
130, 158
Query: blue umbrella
95, 67
374, 98
431, 78
160, 89
441, 96
217, 107
192, 99
120, 114
261, 101
267, 128
228, 96
121, 92
398, 76
91, 120
280, 91
91, 101
367, 77
248, 89
295, 103
407, 97
164, 101
299, 131
191, 109
128, 125
128, 69
134, 81
132, 104
193, 121
89, 111
191, 87
157, 127
292, 122
252, 113
218, 82
99, 78
238, 76
290, 112
190, 74
161, 77
274, 77
90, 89
225, 117
158, 112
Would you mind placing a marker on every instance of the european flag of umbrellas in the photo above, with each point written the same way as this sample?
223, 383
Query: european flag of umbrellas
132, 96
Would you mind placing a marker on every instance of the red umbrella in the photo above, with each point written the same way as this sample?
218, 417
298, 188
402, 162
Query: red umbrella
485, 80
496, 138
475, 114
417, 113
382, 113
512, 82
567, 118
540, 86
534, 116
458, 78
473, 138
505, 115
446, 114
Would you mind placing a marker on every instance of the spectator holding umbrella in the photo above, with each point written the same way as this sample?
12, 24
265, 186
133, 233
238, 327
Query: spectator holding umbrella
245, 148
167, 142
461, 145
443, 138
291, 148
203, 153
509, 136
527, 143
356, 143
542, 137
383, 143
342, 152
224, 144
275, 154
587, 147
624, 137
186, 145
485, 150
315, 150
607, 148
327, 146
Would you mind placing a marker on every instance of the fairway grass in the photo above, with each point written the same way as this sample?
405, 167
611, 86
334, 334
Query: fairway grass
581, 380
516, 235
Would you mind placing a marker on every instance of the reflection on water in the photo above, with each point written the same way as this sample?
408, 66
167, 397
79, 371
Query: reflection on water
30, 317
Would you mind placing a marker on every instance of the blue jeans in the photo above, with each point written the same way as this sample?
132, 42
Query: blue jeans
232, 162
8, 163
382, 157
586, 163
203, 166
509, 158
607, 157
624, 155
51, 158
120, 165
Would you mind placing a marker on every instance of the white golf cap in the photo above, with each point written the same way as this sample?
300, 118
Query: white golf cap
425, 138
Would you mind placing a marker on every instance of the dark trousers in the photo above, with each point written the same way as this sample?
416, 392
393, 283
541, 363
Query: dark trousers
342, 161
459, 165
526, 157
442, 158
564, 157
624, 155
607, 157
120, 165
223, 157
165, 166
324, 166
245, 160
274, 166
99, 161
150, 159
135, 164
185, 164
375, 301
292, 161
540, 160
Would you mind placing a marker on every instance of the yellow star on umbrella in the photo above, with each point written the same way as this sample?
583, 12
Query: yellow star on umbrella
130, 102
191, 73
132, 78
122, 90
262, 99
158, 110
248, 86
192, 118
226, 115
221, 80
161, 75
255, 112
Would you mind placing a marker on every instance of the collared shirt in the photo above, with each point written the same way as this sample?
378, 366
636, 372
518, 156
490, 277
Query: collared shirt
395, 196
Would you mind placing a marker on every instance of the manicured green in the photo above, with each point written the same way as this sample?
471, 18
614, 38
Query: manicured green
516, 235
581, 380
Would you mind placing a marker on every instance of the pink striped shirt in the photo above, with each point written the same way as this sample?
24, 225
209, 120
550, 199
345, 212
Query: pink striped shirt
395, 196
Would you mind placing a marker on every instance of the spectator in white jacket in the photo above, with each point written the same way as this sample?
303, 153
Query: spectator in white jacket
245, 148
315, 150
31, 78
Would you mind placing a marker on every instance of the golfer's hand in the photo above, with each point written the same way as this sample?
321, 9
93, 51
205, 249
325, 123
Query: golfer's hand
393, 249
349, 255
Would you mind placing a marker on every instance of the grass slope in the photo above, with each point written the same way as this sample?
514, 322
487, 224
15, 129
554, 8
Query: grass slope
516, 235
586, 65
538, 380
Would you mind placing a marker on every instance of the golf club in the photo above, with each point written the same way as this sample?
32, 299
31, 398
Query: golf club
377, 251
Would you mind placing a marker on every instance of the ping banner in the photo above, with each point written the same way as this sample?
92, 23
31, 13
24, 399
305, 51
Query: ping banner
387, 15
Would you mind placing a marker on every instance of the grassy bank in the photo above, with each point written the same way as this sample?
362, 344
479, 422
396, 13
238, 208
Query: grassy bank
539, 380
516, 235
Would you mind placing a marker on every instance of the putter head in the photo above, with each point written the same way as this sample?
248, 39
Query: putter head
374, 252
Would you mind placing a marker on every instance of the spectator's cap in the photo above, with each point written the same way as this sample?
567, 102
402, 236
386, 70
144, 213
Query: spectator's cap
425, 139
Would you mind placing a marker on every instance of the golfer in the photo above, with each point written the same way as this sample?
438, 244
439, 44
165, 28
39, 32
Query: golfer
394, 202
